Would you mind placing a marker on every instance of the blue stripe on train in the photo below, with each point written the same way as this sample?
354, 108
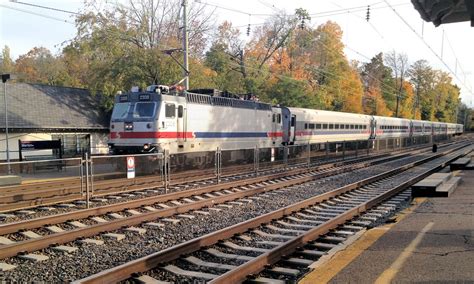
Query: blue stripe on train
263, 134
230, 134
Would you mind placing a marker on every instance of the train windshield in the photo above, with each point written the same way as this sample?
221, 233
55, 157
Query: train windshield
143, 109
120, 110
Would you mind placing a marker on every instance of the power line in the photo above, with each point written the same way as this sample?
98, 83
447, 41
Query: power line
44, 7
317, 14
428, 46
36, 14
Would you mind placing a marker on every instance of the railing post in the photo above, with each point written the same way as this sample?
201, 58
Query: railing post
166, 169
327, 151
81, 172
343, 150
357, 149
87, 181
309, 154
256, 159
217, 162
91, 164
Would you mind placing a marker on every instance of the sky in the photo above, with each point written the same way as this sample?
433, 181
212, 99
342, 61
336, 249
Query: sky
448, 47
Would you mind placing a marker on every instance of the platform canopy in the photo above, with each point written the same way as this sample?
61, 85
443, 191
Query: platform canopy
445, 11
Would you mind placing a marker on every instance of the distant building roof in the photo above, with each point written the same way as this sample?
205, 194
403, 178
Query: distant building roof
51, 108
445, 11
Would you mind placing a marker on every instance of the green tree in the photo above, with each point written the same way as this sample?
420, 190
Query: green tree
379, 95
40, 66
6, 62
127, 45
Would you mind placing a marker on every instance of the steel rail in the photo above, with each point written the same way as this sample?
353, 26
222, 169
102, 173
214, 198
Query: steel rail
64, 237
71, 185
39, 199
257, 264
34, 198
124, 271
84, 213
71, 235
56, 199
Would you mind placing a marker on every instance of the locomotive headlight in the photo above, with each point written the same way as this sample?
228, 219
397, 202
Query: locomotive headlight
146, 146
148, 125
112, 126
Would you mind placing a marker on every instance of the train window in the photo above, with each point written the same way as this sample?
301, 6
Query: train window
331, 126
336, 126
120, 110
180, 111
293, 121
144, 109
318, 126
305, 126
274, 118
279, 118
348, 126
170, 110
325, 126
311, 126
352, 126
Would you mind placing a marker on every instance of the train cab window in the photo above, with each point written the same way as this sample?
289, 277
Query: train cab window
170, 110
336, 126
318, 126
293, 121
144, 109
274, 118
180, 111
120, 110
279, 118
305, 126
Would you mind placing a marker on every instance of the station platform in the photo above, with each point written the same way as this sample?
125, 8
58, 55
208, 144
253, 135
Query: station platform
431, 241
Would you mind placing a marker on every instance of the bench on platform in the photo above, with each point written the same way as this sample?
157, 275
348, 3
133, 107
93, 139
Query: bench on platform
436, 185
461, 164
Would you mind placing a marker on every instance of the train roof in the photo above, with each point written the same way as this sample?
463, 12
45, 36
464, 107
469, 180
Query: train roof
194, 98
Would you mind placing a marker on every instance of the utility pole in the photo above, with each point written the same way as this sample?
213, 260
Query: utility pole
185, 45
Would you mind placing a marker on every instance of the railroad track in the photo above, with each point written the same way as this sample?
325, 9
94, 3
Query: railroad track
35, 234
62, 199
268, 244
69, 190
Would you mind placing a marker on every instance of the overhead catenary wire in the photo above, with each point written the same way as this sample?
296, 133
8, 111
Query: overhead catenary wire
428, 46
44, 7
36, 14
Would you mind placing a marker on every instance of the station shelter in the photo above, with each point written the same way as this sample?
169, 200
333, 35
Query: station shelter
51, 113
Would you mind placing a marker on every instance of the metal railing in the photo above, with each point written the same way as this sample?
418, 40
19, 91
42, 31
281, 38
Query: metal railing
157, 169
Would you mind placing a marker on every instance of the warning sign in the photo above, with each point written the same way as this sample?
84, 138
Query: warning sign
130, 167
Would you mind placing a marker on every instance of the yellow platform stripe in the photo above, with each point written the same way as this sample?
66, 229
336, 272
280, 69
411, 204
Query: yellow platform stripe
389, 274
326, 271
